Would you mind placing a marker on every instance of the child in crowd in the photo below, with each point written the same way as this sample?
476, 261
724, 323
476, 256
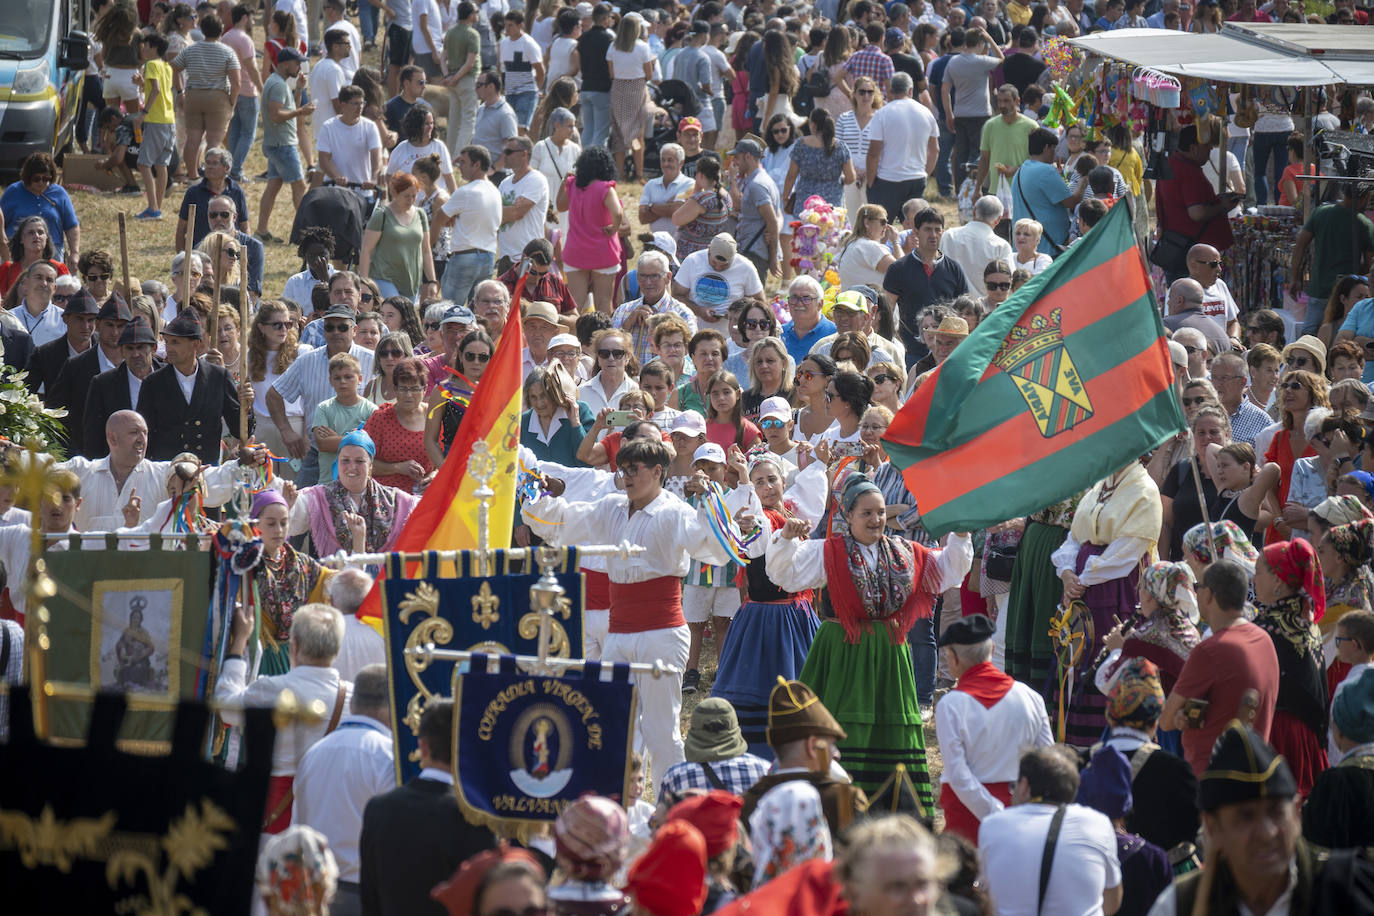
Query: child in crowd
341, 414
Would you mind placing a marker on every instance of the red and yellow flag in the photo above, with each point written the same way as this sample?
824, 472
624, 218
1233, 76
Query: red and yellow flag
446, 518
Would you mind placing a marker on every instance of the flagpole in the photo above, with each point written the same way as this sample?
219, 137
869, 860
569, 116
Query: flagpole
429, 653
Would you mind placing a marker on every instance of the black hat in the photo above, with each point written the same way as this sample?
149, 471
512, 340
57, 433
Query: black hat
187, 324
286, 55
1243, 768
137, 331
81, 303
114, 309
341, 311
968, 631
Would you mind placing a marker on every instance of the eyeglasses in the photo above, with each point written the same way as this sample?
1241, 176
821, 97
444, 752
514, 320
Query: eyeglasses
1001, 285
221, 214
431, 325
332, 328
805, 299
410, 389
1293, 386
1193, 402
275, 325
882, 377
863, 91
631, 470
61, 297
772, 423
1216, 263
757, 324
475, 357
98, 278
611, 354
367, 297
658, 276
1192, 350
872, 427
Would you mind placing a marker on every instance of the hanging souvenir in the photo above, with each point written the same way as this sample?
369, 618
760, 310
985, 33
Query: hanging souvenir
1247, 113
1061, 110
1203, 99
1159, 89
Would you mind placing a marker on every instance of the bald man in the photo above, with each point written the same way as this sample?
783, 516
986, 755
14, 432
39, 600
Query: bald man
1199, 355
1204, 266
125, 477
1186, 310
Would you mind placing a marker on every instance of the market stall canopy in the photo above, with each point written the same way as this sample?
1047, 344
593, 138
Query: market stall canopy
1256, 54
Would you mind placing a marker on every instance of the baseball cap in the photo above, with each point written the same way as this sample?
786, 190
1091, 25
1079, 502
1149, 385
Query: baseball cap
689, 422
700, 27
746, 145
458, 314
709, 452
341, 311
775, 408
287, 54
892, 37
852, 300
564, 340
723, 246
664, 242
687, 124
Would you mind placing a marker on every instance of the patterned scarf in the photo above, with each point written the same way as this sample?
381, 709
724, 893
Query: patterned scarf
1290, 619
1352, 542
377, 507
788, 828
1136, 697
284, 584
1171, 627
898, 590
1231, 544
1295, 563
1356, 592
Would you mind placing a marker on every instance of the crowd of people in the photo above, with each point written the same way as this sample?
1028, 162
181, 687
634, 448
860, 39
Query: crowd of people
695, 384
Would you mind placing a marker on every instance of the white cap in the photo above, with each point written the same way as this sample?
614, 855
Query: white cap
709, 452
775, 407
689, 422
564, 340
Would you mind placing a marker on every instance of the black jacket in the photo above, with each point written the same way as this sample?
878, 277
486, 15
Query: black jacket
46, 362
69, 391
109, 392
413, 837
17, 346
175, 426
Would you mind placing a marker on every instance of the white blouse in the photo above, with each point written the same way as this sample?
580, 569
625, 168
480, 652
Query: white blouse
795, 565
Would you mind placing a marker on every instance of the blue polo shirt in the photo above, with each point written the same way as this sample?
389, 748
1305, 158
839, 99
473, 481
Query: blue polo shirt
799, 347
53, 205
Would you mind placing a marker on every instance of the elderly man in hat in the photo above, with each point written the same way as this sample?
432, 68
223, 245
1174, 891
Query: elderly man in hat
984, 725
1256, 860
73, 382
540, 324
655, 274
1043, 822
717, 756
951, 332
118, 388
855, 311
47, 360
1339, 813
803, 733
710, 279
186, 400
924, 276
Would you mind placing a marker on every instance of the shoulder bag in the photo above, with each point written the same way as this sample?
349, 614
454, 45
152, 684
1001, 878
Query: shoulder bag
1016, 187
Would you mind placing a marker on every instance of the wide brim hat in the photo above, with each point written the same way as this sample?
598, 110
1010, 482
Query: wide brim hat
714, 733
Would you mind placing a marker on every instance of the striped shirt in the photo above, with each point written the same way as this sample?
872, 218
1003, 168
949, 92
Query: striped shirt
207, 65
308, 379
856, 138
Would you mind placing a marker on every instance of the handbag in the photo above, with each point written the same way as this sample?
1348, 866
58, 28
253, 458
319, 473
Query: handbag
1016, 187
1170, 253
999, 556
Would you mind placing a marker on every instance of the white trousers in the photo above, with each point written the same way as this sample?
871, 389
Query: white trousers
660, 698
595, 625
999, 634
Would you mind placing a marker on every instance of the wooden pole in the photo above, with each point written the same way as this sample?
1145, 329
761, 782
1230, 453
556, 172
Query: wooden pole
1202, 502
124, 256
243, 345
213, 329
186, 261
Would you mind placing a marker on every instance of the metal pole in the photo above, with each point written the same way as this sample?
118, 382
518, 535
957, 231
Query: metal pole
429, 653
624, 550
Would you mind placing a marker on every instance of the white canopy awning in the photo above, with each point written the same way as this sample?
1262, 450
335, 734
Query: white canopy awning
1259, 54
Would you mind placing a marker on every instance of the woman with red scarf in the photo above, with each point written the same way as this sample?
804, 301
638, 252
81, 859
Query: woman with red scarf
1290, 598
877, 587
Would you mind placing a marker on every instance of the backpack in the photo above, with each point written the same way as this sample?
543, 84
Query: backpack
815, 85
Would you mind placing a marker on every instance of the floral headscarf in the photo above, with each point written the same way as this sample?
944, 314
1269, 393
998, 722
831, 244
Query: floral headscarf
1231, 544
1136, 697
1171, 584
788, 828
1341, 510
592, 836
297, 871
1295, 563
1353, 542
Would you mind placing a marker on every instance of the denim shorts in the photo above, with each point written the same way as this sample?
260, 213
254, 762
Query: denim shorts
284, 162
523, 103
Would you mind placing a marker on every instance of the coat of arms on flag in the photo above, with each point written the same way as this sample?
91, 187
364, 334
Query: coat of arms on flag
1035, 357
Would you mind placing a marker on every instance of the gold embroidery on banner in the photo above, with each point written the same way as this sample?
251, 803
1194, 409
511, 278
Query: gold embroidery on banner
48, 841
484, 605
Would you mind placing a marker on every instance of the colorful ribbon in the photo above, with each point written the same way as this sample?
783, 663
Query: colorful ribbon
718, 517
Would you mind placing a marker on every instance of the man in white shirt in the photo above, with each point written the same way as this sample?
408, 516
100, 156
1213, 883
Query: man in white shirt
37, 312
974, 244
524, 200
350, 145
475, 212
342, 772
328, 78
1084, 874
335, 19
1204, 266
902, 139
710, 279
316, 633
362, 645
522, 62
646, 621
984, 726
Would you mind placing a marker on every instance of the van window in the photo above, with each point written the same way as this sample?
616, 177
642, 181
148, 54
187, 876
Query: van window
24, 30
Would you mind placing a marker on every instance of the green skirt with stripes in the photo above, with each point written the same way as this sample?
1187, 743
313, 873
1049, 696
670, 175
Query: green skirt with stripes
871, 690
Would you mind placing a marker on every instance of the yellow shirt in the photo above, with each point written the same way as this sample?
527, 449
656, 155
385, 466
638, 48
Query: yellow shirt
1127, 162
1018, 14
158, 72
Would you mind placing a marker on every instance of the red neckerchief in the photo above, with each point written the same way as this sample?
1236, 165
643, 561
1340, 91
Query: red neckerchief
985, 683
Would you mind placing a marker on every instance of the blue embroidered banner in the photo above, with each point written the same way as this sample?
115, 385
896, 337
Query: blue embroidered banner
475, 613
527, 746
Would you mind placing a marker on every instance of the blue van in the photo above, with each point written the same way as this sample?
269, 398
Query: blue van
43, 56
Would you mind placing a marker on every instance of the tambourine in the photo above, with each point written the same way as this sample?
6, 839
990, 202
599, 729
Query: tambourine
1072, 633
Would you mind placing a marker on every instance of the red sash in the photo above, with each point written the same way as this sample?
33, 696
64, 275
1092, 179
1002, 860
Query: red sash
655, 604
598, 589
279, 800
959, 819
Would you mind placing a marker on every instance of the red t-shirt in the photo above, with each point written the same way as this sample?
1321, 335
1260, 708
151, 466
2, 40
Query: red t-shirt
1220, 669
723, 434
1190, 187
396, 443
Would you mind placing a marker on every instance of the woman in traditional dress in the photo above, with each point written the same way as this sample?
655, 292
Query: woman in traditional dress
352, 512
1035, 592
1113, 533
1290, 599
284, 580
134, 653
1163, 632
1345, 552
877, 587
772, 631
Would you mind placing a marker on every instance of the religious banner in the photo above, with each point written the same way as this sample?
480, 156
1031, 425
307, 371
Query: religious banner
131, 622
526, 746
94, 829
474, 613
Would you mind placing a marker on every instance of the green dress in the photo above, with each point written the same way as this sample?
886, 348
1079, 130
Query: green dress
1035, 595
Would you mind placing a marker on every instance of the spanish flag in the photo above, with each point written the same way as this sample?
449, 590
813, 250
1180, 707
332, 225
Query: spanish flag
446, 518
1067, 381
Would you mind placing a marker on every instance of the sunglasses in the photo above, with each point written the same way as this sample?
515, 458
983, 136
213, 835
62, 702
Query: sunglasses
231, 253
781, 131
477, 357
512, 152
332, 328
1293, 386
1300, 361
1002, 285
611, 354
275, 325
757, 324
431, 325
882, 377
221, 214
1216, 263
806, 375
383, 354
1193, 402
863, 91
367, 297
98, 278
61, 297
772, 423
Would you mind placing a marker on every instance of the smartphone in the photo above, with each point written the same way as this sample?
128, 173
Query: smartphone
620, 418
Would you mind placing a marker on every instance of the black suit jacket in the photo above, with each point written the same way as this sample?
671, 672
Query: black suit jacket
413, 837
45, 362
69, 391
17, 345
175, 426
109, 392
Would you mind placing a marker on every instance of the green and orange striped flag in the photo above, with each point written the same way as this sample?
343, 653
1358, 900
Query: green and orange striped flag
1065, 382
